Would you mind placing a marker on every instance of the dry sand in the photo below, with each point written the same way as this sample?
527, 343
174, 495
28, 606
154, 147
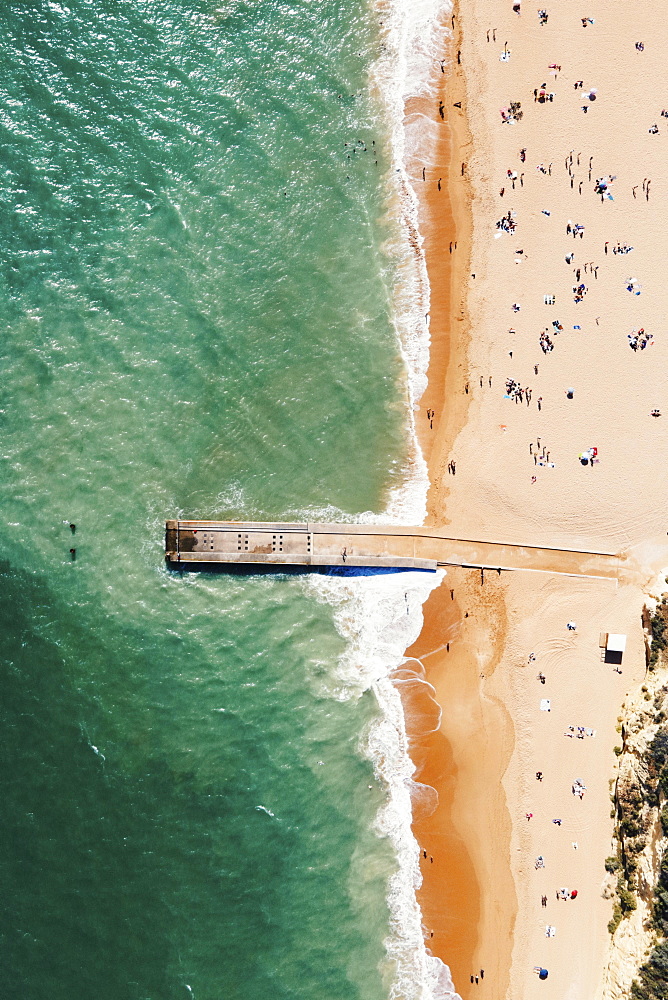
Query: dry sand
481, 896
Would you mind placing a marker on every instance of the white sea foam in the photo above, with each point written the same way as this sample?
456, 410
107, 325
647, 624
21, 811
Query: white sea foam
413, 42
380, 616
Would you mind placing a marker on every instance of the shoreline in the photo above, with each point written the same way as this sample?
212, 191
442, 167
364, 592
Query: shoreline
445, 219
471, 807
456, 914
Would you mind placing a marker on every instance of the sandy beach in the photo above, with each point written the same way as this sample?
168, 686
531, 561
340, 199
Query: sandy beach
548, 334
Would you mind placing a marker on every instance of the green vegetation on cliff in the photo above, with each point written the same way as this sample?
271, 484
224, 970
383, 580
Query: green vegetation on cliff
652, 982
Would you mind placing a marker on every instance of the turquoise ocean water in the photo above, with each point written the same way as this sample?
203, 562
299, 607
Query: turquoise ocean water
196, 316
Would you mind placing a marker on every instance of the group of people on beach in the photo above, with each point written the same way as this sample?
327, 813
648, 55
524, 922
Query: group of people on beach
541, 458
579, 292
512, 113
515, 391
541, 94
579, 788
619, 248
639, 340
545, 341
507, 223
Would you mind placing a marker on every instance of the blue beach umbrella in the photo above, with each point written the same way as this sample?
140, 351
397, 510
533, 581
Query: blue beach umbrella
543, 974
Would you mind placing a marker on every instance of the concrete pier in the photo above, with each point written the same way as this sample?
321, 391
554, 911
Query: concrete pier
252, 543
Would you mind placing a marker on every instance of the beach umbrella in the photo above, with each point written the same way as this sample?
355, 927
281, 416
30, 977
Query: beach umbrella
543, 974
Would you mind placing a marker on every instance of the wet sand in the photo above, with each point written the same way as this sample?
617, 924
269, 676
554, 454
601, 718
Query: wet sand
469, 834
451, 897
445, 222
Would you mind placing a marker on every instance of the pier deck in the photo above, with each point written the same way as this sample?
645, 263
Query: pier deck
252, 543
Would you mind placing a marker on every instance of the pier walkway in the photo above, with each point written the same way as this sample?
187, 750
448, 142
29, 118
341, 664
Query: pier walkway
193, 544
